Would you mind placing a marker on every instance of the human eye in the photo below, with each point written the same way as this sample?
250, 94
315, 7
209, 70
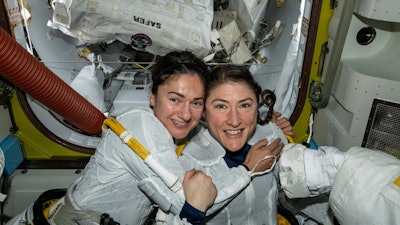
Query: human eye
245, 105
173, 99
220, 106
199, 103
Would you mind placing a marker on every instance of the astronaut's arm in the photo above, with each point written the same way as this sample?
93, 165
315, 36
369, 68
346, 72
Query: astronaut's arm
368, 179
200, 193
306, 172
171, 219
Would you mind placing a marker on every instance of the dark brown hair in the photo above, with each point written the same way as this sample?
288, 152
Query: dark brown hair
177, 63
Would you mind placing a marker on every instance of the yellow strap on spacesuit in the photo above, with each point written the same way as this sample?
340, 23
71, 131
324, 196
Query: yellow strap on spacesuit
170, 179
290, 139
120, 130
397, 181
180, 148
134, 144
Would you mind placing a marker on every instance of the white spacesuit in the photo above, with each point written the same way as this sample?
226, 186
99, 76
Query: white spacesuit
257, 203
364, 184
111, 180
362, 180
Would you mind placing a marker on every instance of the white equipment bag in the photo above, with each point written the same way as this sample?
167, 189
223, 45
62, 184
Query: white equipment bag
250, 13
155, 26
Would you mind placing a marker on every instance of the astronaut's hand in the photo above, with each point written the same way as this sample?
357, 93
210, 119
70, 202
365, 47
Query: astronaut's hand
200, 191
259, 151
284, 124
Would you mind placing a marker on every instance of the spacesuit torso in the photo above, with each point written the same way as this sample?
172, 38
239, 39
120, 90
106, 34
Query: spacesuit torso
109, 183
257, 203
111, 178
118, 182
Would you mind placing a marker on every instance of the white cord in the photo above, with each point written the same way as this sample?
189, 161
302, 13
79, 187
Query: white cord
310, 127
252, 173
25, 19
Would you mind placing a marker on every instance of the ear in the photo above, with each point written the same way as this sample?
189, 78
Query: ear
152, 99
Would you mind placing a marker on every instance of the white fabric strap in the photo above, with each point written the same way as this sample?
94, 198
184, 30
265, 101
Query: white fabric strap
127, 138
171, 180
123, 135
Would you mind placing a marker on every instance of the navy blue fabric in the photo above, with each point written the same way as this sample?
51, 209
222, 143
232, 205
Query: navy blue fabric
192, 215
235, 159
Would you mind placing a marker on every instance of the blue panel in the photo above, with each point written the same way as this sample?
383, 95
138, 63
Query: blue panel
13, 154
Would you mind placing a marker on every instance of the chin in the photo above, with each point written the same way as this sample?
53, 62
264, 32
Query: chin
180, 135
234, 148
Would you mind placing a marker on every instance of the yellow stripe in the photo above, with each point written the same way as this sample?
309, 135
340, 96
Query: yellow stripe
397, 181
290, 139
134, 144
180, 148
47, 206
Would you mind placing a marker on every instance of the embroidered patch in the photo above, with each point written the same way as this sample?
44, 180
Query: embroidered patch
140, 41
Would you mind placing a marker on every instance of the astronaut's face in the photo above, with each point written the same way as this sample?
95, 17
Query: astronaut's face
179, 104
231, 114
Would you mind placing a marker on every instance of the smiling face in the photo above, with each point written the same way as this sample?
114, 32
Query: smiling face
179, 104
231, 114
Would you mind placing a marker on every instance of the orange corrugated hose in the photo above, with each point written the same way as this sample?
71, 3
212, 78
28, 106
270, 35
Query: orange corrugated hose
23, 70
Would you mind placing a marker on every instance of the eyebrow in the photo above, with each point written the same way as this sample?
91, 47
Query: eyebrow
176, 93
183, 96
240, 101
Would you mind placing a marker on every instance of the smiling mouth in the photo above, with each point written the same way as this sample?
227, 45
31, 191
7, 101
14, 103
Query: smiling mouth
178, 123
233, 132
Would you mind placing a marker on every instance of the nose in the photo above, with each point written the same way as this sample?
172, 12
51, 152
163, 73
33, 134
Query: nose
185, 113
234, 118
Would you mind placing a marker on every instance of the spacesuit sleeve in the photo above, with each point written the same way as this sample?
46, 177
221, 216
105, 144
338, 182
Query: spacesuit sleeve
306, 172
204, 153
171, 219
367, 188
227, 190
233, 182
155, 138
228, 181
159, 143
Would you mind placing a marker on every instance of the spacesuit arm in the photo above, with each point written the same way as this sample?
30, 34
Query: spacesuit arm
225, 195
170, 219
161, 147
160, 144
206, 154
306, 172
367, 188
228, 184
228, 181
170, 208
